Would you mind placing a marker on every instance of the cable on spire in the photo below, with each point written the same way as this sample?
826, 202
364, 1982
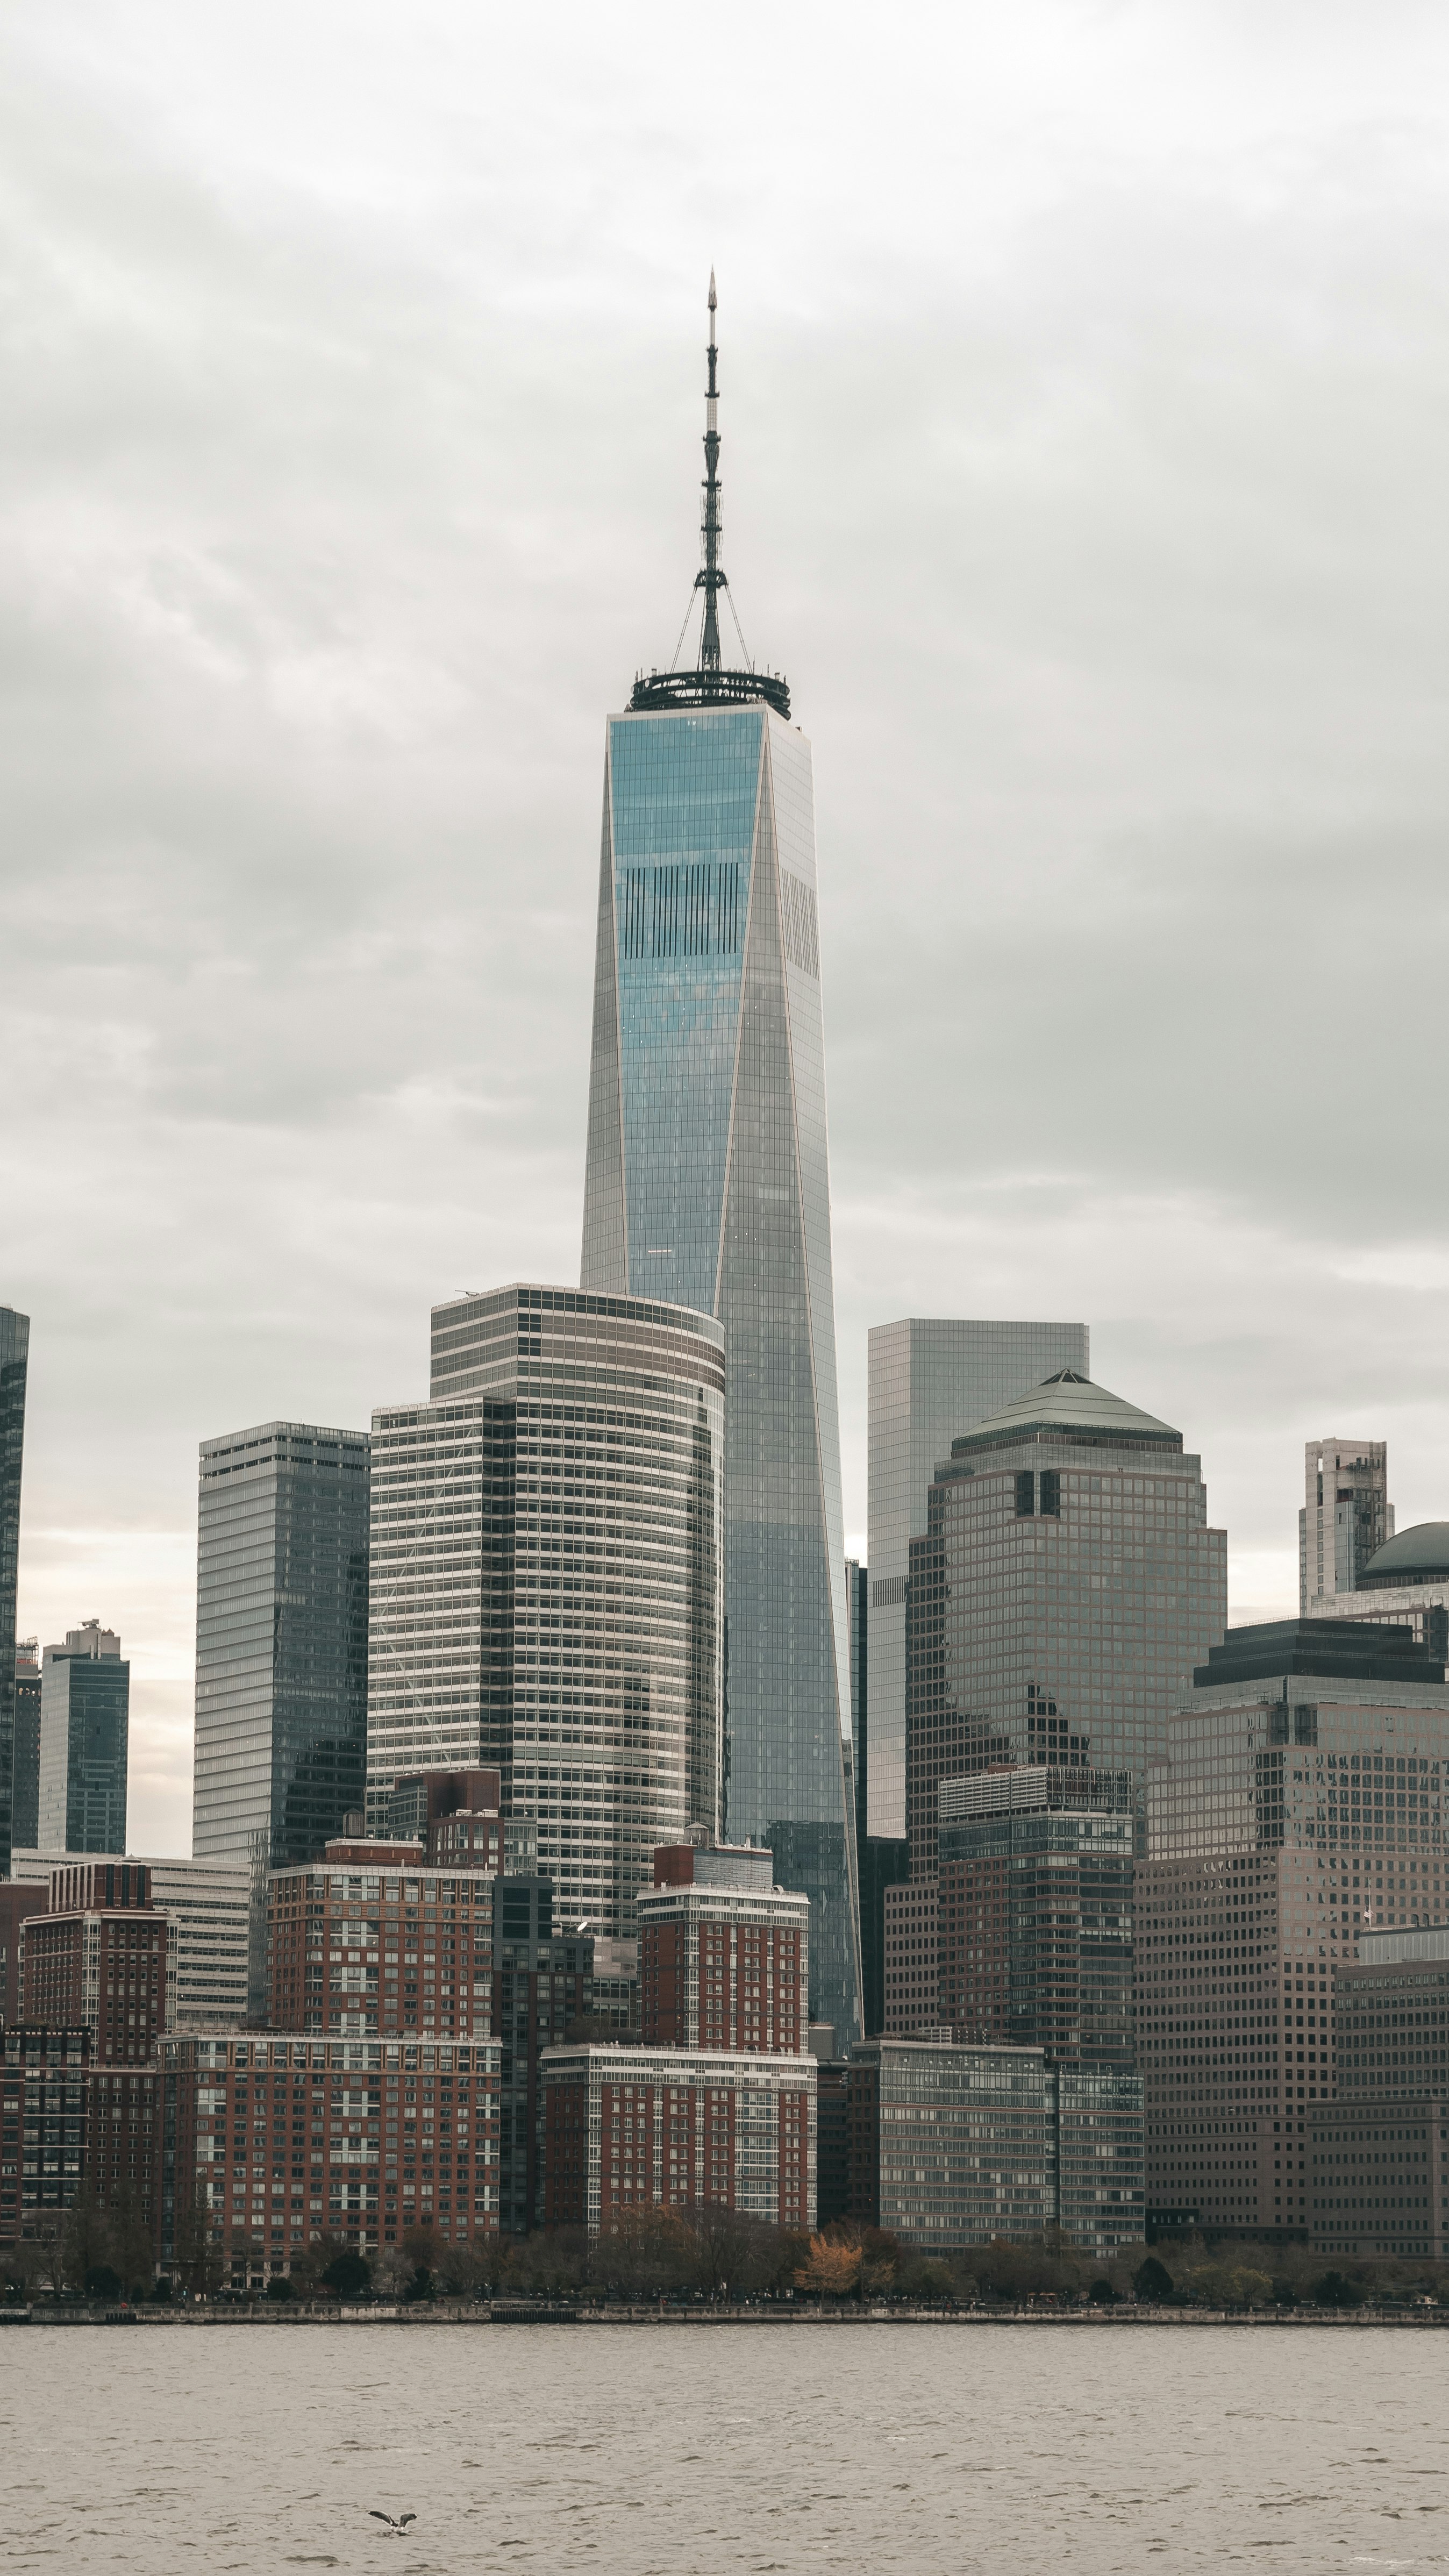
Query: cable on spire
710, 684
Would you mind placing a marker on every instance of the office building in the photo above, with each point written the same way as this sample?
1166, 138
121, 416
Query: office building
1378, 2174
723, 1955
951, 2147
85, 1713
911, 1968
1298, 1805
100, 1959
281, 1642
881, 1861
1035, 1948
630, 2128
1404, 1584
25, 1803
707, 1183
206, 1904
1066, 1590
67, 2123
930, 1379
1346, 1516
1391, 2016
272, 2141
14, 1360
547, 1580
548, 1987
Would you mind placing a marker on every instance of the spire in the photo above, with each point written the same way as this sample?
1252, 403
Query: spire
711, 685
710, 578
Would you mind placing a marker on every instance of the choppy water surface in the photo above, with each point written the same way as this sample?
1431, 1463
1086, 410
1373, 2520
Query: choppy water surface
694, 2452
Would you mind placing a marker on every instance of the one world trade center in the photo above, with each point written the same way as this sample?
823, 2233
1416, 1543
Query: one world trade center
708, 1186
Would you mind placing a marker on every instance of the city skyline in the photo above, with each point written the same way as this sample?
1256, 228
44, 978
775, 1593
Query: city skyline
304, 905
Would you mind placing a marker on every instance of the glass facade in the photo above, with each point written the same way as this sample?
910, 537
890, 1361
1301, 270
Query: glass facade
85, 1702
1067, 1588
963, 2142
25, 1806
281, 1643
1346, 1515
1035, 1937
930, 1378
14, 1355
547, 1590
708, 1182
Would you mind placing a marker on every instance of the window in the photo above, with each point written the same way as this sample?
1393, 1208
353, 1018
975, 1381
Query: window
1025, 1495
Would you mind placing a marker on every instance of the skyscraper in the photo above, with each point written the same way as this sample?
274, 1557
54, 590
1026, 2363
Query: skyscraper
930, 1377
25, 1808
707, 1184
14, 1351
281, 1642
546, 1586
1346, 1514
1067, 1588
85, 1712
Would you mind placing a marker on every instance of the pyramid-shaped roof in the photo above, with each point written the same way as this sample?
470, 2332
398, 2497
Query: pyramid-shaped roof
1071, 1404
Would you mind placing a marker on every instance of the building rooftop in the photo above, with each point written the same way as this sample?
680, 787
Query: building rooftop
1074, 1407
1356, 1650
1417, 1555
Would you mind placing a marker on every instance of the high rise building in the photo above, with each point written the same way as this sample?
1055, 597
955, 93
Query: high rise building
628, 2128
1346, 1515
723, 1954
206, 1903
1035, 1940
881, 1860
101, 1956
930, 1378
547, 1597
952, 2147
25, 1804
83, 2125
14, 1354
85, 1718
281, 1642
17, 1903
1066, 1590
1299, 1802
1404, 1584
708, 1184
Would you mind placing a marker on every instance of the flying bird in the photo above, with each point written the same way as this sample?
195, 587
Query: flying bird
400, 2524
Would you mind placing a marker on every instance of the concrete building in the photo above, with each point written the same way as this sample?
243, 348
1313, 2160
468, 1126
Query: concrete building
632, 2128
206, 1904
1391, 2017
912, 1968
1035, 1917
548, 1582
1346, 1516
951, 2146
1299, 1804
101, 1962
1378, 2173
723, 1954
1405, 1584
14, 1362
85, 1705
930, 1378
273, 2141
25, 1805
1066, 1590
281, 1642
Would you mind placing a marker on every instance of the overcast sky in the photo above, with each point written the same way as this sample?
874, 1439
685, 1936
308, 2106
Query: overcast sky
1086, 411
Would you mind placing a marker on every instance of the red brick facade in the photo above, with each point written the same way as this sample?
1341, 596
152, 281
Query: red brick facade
633, 2129
106, 1970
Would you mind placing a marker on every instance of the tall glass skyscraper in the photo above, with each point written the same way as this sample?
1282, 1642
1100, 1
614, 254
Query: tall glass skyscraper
281, 1642
931, 1376
14, 1353
708, 1186
85, 1727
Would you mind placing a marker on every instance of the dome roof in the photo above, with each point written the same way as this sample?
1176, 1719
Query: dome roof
1417, 1555
1071, 1404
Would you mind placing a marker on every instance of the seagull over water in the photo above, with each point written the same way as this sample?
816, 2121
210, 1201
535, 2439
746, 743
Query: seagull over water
400, 2524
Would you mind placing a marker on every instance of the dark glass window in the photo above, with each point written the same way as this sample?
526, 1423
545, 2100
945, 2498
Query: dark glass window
1025, 1495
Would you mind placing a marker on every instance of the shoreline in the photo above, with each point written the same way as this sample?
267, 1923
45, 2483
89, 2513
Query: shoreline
426, 2313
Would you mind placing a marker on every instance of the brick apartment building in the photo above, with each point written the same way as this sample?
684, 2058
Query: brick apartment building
65, 2122
723, 1954
270, 2142
104, 1960
17, 1904
628, 2129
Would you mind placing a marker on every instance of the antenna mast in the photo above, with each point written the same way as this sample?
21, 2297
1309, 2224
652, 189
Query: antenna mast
710, 579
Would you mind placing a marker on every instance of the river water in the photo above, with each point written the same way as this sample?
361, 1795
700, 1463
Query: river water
699, 2451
